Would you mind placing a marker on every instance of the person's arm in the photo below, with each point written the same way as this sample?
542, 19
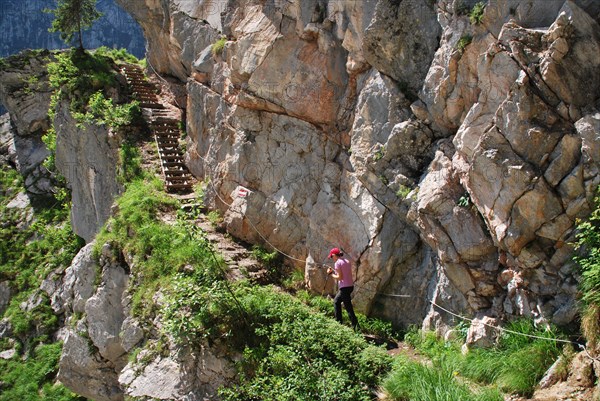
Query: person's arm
335, 273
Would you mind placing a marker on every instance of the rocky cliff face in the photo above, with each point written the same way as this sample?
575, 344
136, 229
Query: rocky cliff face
438, 156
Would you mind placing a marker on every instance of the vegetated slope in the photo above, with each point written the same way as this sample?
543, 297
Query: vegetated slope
36, 242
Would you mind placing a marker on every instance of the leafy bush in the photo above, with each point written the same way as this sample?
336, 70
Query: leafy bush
269, 259
476, 14
130, 163
215, 218
84, 79
379, 154
301, 355
272, 261
218, 47
588, 245
464, 201
158, 250
403, 191
102, 111
76, 75
377, 327
28, 253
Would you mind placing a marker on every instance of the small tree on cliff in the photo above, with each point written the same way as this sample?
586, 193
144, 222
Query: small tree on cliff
72, 17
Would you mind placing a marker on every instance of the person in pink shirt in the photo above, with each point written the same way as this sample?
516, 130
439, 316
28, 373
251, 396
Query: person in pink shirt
342, 272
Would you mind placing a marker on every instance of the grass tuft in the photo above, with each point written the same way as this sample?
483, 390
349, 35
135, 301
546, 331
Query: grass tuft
514, 365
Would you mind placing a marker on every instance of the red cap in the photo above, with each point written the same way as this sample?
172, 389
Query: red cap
334, 251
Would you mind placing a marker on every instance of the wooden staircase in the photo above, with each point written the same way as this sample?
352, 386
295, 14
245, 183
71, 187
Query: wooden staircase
165, 129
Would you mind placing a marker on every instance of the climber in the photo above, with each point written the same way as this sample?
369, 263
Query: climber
342, 272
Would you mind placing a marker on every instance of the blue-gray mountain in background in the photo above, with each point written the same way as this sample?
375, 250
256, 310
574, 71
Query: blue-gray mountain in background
24, 25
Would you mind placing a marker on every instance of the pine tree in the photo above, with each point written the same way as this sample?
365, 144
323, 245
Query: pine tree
73, 16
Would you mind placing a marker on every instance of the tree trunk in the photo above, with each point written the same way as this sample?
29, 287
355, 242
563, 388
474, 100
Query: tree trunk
80, 35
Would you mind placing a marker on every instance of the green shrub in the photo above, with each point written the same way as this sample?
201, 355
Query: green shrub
294, 280
301, 355
316, 302
117, 55
158, 250
271, 261
218, 47
28, 253
379, 154
214, 216
32, 84
102, 111
588, 245
476, 14
403, 191
77, 75
84, 79
464, 201
377, 327
130, 163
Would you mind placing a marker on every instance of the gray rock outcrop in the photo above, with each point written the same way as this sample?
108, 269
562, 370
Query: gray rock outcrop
25, 91
88, 159
101, 335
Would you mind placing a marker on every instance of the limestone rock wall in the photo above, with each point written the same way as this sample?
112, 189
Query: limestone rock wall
445, 159
88, 159
25, 91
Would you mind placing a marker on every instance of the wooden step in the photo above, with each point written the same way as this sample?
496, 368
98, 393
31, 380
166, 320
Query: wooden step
174, 164
175, 158
170, 153
177, 187
180, 180
177, 173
